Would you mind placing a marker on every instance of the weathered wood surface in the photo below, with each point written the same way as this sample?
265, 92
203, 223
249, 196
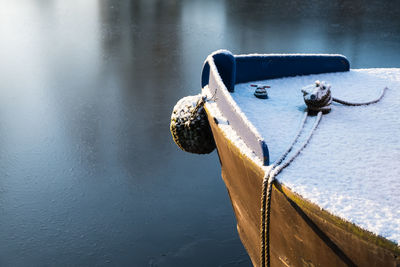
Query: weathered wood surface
301, 233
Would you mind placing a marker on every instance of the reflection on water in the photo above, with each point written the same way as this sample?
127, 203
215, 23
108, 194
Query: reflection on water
89, 174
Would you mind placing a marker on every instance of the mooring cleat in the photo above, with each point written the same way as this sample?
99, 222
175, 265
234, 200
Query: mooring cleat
261, 93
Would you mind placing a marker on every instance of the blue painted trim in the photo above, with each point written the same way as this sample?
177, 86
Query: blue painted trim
265, 151
226, 65
239, 69
255, 68
236, 121
205, 74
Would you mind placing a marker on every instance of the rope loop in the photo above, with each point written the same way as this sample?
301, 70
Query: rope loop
268, 181
318, 98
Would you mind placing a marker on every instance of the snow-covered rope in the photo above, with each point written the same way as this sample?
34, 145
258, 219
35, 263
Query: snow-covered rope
347, 103
318, 99
268, 180
283, 156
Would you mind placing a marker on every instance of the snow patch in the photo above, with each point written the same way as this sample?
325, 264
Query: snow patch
351, 167
228, 131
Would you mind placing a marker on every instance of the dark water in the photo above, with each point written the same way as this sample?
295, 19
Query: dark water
89, 174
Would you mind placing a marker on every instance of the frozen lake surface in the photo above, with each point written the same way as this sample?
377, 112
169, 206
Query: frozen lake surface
89, 174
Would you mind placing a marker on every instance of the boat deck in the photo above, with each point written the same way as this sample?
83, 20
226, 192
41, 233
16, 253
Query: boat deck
351, 166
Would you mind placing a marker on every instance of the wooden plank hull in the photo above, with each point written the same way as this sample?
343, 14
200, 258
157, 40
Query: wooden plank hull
301, 233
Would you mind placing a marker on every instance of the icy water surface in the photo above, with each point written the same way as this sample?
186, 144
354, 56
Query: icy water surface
89, 174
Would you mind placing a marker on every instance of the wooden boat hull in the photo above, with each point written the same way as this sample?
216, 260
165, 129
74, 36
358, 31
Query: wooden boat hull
301, 233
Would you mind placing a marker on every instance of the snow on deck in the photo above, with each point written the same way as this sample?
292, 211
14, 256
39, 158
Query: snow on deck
351, 167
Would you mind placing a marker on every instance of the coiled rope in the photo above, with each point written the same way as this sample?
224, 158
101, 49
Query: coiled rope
278, 166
